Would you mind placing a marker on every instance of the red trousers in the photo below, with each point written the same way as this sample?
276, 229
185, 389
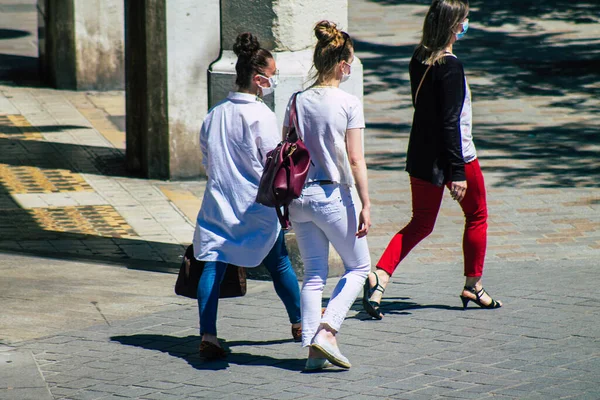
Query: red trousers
426, 201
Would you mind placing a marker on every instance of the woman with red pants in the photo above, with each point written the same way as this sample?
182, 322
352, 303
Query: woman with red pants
440, 153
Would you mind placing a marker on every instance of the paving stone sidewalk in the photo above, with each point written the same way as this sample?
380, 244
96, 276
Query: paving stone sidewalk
64, 189
533, 71
543, 344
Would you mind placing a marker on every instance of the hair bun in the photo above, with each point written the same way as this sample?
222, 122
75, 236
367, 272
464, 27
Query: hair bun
246, 45
327, 31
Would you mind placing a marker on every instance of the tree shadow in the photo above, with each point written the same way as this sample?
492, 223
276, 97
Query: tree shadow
388, 64
549, 156
388, 161
186, 348
501, 12
515, 51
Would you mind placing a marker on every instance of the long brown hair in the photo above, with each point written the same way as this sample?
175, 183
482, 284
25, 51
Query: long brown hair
438, 28
333, 46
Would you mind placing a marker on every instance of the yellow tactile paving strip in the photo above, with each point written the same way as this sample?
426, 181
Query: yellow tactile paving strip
17, 127
26, 179
37, 223
89, 220
34, 223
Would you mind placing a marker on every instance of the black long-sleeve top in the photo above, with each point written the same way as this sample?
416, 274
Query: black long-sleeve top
435, 146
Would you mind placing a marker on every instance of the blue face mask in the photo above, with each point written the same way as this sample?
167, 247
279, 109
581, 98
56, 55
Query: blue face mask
465, 28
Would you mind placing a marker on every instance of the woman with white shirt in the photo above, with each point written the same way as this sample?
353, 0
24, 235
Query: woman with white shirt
440, 153
231, 227
330, 121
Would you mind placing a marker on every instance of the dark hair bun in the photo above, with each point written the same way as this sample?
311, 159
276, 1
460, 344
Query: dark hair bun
326, 31
246, 45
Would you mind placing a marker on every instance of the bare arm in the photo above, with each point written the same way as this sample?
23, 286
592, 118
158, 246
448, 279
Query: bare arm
359, 172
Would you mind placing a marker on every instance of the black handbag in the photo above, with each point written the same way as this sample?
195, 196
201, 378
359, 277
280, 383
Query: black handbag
233, 284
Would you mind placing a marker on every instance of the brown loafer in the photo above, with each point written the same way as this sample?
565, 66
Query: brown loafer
297, 334
210, 351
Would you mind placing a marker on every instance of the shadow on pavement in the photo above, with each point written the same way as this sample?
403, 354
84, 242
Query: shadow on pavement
97, 233
404, 307
12, 34
186, 348
556, 156
389, 63
500, 12
26, 165
95, 160
517, 50
398, 306
19, 70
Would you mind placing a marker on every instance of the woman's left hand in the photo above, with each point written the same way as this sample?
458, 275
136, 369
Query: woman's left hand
364, 222
458, 190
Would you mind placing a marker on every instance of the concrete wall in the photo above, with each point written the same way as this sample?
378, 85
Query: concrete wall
99, 44
82, 46
170, 45
285, 28
284, 25
193, 43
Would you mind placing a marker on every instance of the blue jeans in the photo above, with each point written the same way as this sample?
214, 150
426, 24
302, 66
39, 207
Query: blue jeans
284, 278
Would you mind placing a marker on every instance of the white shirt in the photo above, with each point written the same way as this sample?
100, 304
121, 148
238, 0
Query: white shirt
324, 116
235, 138
466, 120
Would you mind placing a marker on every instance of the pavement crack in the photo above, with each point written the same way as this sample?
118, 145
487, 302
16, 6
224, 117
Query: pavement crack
95, 303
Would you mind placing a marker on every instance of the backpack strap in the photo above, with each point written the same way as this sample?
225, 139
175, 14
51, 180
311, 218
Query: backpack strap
293, 120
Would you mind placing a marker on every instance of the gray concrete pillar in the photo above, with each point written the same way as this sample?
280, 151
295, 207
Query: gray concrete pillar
286, 28
169, 47
81, 44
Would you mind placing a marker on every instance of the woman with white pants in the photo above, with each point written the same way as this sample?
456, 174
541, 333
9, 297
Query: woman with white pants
330, 121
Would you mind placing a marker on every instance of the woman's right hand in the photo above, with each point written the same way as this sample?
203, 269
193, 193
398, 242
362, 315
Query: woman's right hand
458, 190
364, 222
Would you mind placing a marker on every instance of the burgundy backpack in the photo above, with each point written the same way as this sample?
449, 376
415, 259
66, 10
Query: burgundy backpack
285, 171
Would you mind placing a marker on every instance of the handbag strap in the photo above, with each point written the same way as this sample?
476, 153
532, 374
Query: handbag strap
284, 217
293, 119
421, 83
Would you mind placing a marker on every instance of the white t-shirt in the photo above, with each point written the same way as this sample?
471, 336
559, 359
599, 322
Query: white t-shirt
466, 120
324, 116
469, 152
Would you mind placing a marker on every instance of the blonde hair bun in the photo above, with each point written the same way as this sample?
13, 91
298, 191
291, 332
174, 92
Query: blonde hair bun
327, 31
246, 44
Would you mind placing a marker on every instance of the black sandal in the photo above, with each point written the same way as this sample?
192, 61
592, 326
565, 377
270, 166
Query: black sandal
372, 307
477, 300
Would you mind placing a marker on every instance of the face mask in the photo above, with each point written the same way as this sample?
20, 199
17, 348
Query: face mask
273, 84
465, 28
346, 76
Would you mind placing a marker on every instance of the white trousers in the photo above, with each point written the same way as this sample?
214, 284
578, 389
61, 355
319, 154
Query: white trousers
321, 215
